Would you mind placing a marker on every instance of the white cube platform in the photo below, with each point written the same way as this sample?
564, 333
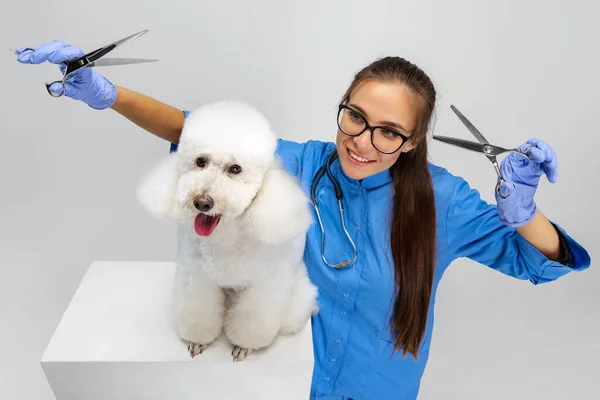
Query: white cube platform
116, 340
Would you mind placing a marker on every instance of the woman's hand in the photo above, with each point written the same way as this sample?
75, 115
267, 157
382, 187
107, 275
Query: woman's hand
83, 84
522, 176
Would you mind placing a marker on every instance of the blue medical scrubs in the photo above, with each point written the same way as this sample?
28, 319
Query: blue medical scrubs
351, 338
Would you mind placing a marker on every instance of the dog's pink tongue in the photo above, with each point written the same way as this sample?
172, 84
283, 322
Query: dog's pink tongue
205, 224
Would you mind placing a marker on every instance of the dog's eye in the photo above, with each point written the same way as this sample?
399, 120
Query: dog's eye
235, 169
201, 162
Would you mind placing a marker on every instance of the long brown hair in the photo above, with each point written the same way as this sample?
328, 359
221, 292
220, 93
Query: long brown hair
413, 233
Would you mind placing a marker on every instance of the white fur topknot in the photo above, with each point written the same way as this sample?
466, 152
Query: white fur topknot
255, 254
229, 127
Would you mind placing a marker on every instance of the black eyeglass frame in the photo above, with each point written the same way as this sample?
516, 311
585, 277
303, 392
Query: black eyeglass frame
343, 106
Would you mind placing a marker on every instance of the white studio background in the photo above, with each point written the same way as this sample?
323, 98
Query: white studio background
517, 69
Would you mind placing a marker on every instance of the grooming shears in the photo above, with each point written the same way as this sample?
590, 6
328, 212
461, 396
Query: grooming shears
93, 59
490, 150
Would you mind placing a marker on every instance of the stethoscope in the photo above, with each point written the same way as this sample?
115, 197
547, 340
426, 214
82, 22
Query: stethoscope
338, 194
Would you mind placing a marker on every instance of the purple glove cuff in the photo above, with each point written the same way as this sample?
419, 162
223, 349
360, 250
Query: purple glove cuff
104, 96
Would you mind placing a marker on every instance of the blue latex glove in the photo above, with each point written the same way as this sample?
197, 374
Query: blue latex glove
522, 177
84, 84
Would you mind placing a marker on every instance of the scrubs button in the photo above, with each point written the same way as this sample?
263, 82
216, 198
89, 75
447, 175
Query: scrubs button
333, 359
358, 227
359, 192
338, 341
344, 313
326, 378
346, 295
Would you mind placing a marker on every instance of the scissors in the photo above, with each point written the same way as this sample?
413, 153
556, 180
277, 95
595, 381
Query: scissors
94, 59
490, 150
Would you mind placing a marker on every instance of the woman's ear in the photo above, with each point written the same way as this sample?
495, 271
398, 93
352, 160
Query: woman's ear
409, 145
280, 210
157, 189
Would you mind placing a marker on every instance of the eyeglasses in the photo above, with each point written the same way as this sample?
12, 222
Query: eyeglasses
384, 139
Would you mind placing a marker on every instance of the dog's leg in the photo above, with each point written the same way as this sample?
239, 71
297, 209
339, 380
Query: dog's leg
302, 304
254, 319
198, 309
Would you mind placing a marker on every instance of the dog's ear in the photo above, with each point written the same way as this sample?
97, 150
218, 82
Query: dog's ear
280, 210
157, 188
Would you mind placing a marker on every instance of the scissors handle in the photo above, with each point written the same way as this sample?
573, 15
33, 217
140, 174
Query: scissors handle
498, 184
62, 83
501, 179
72, 66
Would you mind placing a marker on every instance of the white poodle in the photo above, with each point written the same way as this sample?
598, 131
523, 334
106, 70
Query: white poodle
242, 222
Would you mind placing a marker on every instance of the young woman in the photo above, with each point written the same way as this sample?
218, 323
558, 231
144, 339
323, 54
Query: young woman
406, 218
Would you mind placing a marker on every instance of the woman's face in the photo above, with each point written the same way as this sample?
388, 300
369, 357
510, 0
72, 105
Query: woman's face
379, 104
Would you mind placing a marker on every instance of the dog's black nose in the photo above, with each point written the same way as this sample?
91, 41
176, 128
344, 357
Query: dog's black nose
203, 203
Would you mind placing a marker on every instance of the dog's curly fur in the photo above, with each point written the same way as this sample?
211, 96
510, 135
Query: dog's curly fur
255, 253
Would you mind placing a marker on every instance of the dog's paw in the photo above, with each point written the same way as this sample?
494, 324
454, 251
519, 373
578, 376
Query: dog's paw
240, 353
196, 348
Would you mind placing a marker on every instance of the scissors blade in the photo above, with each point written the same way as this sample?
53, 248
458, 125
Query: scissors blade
16, 53
469, 126
107, 62
102, 51
465, 144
